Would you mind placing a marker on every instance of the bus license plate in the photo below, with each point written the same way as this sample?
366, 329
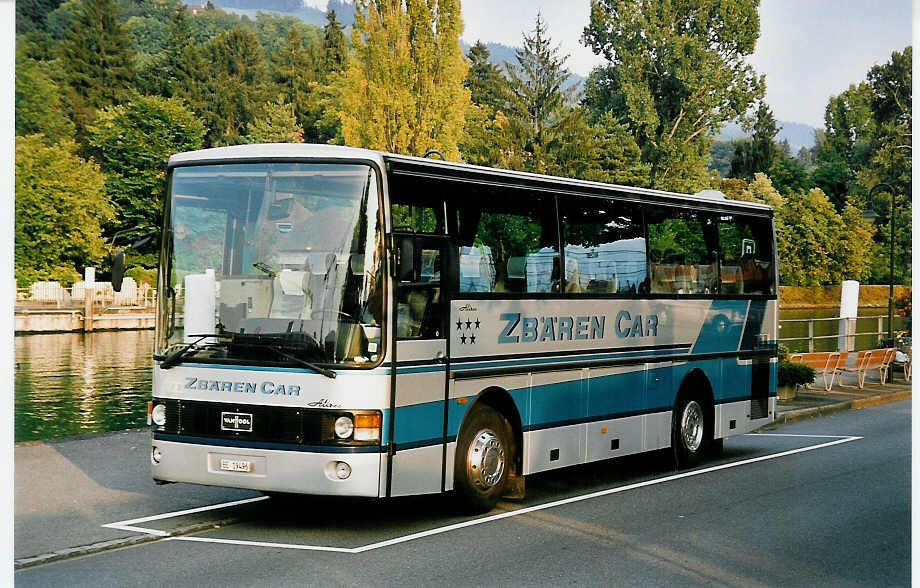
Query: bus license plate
235, 465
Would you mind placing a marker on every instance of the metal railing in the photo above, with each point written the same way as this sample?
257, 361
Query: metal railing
878, 334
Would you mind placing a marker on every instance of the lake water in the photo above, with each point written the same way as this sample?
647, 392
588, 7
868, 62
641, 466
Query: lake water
73, 383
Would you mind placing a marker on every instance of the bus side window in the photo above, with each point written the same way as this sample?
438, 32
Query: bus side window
682, 252
514, 247
746, 255
604, 245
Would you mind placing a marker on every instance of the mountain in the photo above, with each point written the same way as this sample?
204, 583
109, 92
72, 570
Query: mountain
344, 11
499, 54
798, 134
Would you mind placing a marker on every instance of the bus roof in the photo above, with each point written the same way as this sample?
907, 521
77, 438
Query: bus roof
406, 165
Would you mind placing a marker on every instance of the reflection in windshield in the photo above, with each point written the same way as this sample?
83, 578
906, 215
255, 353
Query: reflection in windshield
275, 260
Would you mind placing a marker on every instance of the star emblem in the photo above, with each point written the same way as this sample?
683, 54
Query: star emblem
462, 339
477, 322
458, 325
472, 338
469, 324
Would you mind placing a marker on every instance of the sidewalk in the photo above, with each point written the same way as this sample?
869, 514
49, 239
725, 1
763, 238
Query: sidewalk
812, 402
66, 489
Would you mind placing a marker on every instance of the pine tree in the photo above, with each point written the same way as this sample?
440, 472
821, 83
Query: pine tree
97, 59
335, 51
539, 95
485, 81
225, 81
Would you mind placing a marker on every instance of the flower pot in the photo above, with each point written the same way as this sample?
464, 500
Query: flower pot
785, 393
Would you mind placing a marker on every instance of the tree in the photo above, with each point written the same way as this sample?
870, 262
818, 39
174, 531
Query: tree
403, 88
98, 59
335, 49
756, 154
132, 143
484, 79
60, 207
31, 14
225, 81
39, 108
539, 100
676, 74
891, 162
276, 124
815, 244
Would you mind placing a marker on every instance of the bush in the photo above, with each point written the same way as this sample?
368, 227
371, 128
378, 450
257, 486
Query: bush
142, 275
794, 374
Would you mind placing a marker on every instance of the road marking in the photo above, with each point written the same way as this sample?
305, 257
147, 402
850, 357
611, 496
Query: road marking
128, 525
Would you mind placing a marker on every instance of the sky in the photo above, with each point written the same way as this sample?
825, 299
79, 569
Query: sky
809, 50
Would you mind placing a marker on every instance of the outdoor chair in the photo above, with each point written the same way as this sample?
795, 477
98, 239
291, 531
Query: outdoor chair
825, 363
866, 361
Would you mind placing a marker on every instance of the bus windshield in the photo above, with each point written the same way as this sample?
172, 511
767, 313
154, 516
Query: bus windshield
274, 262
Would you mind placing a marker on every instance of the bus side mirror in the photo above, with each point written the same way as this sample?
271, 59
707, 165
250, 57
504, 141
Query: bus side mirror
118, 270
405, 264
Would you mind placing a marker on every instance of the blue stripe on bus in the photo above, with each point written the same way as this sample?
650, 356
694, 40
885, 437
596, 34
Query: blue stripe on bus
721, 331
577, 401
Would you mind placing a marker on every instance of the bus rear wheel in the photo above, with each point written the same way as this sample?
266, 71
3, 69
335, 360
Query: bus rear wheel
691, 432
483, 459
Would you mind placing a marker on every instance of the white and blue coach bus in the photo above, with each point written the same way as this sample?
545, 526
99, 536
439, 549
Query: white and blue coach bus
347, 322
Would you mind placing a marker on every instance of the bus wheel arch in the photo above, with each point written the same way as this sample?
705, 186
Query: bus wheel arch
490, 436
693, 420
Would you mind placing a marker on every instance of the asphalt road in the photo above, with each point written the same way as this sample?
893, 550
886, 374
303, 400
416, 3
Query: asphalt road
770, 511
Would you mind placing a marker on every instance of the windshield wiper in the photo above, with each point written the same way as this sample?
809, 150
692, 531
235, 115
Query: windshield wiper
326, 372
180, 354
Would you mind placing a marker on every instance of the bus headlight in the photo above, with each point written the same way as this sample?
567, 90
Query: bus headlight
344, 427
158, 415
367, 427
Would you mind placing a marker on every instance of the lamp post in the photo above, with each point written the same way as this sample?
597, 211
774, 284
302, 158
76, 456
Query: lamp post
871, 216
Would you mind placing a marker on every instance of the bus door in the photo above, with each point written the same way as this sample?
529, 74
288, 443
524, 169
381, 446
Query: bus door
426, 267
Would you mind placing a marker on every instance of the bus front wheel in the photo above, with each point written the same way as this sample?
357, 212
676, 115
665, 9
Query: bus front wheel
691, 432
483, 459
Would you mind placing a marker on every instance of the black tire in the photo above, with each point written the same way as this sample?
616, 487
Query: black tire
691, 431
483, 460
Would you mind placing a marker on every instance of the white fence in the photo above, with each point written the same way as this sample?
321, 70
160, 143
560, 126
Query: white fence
53, 294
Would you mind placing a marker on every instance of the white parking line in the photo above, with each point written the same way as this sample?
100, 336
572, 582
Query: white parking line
129, 525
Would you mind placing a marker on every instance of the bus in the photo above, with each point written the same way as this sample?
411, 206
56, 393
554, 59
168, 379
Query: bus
340, 321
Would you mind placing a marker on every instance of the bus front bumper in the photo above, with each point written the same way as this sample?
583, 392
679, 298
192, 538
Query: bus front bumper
270, 470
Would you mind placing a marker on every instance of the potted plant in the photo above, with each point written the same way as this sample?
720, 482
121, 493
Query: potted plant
790, 376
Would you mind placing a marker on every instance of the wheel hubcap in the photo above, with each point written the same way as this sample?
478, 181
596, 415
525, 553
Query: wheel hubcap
486, 460
691, 426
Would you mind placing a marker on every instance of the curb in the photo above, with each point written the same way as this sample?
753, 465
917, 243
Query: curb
811, 412
71, 552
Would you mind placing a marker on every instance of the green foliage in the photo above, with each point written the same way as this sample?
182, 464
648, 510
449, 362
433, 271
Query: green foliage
815, 244
132, 142
31, 14
142, 275
335, 47
402, 90
793, 374
720, 157
225, 81
276, 124
757, 154
39, 107
98, 59
676, 73
60, 206
487, 85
